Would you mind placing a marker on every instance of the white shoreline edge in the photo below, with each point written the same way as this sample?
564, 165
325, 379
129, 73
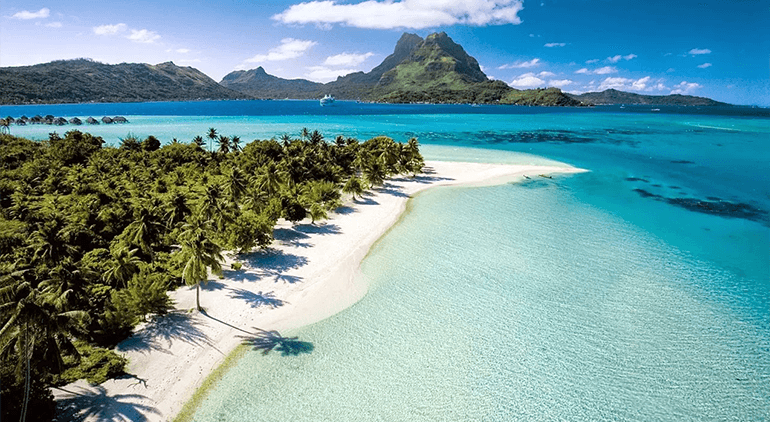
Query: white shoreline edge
310, 274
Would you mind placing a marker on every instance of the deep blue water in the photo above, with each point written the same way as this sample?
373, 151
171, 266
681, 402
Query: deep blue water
637, 291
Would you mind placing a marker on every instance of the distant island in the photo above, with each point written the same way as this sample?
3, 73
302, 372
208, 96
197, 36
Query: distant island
430, 70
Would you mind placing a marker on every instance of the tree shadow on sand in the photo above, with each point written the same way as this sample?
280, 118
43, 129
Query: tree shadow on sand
160, 333
272, 263
321, 229
391, 189
267, 341
94, 403
256, 299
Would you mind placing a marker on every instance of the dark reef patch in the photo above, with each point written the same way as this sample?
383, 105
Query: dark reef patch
682, 162
713, 206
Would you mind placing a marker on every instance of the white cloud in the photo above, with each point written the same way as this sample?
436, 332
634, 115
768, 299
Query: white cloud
605, 70
347, 59
527, 80
559, 83
592, 61
555, 44
290, 48
545, 74
600, 71
698, 51
625, 84
325, 74
414, 14
143, 36
521, 65
618, 57
182, 50
685, 88
704, 65
110, 29
25, 14
670, 69
54, 25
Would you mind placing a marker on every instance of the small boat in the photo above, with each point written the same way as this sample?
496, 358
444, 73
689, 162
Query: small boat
327, 100
545, 176
526, 177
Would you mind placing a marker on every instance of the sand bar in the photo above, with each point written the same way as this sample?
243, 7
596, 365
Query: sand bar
309, 274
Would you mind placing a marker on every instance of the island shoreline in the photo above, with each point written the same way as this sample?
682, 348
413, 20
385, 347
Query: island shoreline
316, 275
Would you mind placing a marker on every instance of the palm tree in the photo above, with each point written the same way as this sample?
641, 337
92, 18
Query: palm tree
305, 133
354, 187
145, 229
212, 135
271, 179
198, 140
224, 144
34, 329
236, 142
200, 254
126, 265
235, 185
176, 208
374, 172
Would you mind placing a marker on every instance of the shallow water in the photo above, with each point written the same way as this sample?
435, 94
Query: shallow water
637, 291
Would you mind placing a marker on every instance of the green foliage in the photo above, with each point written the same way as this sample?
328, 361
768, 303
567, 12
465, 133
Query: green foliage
41, 406
92, 238
236, 266
539, 97
94, 364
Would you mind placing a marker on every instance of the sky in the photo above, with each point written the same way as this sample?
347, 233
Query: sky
717, 49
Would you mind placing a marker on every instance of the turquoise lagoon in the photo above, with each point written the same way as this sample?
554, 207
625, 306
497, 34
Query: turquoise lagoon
637, 291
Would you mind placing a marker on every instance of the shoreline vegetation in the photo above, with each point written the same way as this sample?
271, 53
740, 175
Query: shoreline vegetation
114, 265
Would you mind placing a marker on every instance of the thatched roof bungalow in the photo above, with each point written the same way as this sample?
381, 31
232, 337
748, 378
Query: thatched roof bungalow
119, 119
25, 118
91, 121
76, 121
36, 120
107, 119
10, 119
20, 122
60, 121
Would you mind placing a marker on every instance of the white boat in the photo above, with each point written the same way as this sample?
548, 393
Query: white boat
327, 100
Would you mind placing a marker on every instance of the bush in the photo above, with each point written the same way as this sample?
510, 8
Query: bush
41, 405
94, 364
236, 266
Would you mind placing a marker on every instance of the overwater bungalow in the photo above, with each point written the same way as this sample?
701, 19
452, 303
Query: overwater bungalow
119, 119
76, 121
36, 120
60, 121
10, 119
107, 119
24, 118
91, 121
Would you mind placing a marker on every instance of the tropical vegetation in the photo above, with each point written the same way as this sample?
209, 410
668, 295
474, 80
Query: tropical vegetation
92, 237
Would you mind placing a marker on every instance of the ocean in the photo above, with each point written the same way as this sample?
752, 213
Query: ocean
639, 290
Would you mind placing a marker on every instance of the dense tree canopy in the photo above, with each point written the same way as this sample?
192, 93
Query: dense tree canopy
93, 237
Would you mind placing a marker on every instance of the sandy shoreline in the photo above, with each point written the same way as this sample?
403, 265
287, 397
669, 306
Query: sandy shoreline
309, 274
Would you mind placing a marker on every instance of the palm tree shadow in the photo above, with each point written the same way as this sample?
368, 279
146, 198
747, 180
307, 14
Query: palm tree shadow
95, 404
267, 341
162, 331
344, 210
391, 189
274, 263
256, 299
317, 229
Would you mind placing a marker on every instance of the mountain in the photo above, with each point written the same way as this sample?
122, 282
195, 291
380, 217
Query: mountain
612, 96
430, 70
82, 80
257, 83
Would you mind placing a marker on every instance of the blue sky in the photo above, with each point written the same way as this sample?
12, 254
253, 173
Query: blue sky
718, 49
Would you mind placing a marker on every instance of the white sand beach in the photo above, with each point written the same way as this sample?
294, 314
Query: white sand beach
309, 274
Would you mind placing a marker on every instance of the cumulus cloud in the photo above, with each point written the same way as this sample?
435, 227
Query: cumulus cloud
182, 50
521, 64
143, 36
110, 29
559, 83
592, 61
545, 74
347, 59
413, 14
704, 65
25, 14
325, 74
290, 48
54, 25
555, 44
605, 70
527, 80
617, 58
642, 84
699, 51
600, 71
685, 87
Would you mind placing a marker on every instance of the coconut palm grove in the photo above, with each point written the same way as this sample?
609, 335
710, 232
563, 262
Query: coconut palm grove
93, 237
